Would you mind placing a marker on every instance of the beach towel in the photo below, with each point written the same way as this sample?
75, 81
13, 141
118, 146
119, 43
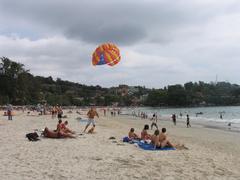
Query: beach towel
130, 141
150, 147
146, 146
126, 139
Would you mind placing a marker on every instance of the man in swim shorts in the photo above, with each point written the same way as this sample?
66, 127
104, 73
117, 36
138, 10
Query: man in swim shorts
163, 140
154, 121
91, 114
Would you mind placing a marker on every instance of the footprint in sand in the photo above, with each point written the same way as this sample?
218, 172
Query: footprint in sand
219, 171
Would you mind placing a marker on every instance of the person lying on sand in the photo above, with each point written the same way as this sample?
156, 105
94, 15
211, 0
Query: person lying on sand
59, 134
65, 129
144, 134
132, 135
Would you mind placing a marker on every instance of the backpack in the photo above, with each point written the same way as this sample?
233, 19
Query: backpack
32, 136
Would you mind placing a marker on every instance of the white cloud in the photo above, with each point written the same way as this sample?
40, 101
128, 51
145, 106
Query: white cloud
161, 42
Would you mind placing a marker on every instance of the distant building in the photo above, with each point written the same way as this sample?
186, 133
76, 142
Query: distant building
133, 90
123, 90
203, 103
79, 98
136, 101
143, 97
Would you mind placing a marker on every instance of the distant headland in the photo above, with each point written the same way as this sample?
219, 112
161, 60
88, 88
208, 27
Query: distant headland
19, 87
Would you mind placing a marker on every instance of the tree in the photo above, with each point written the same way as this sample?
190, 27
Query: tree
157, 98
9, 79
176, 96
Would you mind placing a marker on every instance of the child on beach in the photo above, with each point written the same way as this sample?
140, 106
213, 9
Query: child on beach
155, 139
132, 135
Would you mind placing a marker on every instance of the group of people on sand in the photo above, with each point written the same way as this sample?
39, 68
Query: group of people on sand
62, 131
158, 139
174, 119
57, 111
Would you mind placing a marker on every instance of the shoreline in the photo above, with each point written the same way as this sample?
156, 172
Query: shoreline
204, 124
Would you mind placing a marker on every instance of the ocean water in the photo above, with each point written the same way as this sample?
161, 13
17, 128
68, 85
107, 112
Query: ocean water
230, 114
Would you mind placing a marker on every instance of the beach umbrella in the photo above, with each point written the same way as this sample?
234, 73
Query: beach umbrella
107, 53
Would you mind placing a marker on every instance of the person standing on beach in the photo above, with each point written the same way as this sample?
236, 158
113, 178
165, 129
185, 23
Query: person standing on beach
174, 119
180, 115
104, 111
59, 112
53, 112
188, 121
91, 114
221, 117
9, 111
154, 121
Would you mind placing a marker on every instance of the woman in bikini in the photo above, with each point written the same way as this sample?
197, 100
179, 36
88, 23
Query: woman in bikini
144, 134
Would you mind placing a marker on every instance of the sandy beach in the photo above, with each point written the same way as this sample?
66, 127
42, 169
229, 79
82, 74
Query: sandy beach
211, 154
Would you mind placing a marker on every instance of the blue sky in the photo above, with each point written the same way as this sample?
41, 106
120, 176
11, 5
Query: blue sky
162, 42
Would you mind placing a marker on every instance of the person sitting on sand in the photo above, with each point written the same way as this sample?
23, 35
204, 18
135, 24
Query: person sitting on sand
144, 133
59, 126
155, 139
132, 135
91, 114
65, 129
163, 141
56, 134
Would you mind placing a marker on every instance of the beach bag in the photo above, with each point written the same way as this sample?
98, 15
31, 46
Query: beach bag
32, 136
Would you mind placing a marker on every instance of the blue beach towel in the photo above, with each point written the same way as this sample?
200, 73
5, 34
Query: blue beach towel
146, 146
131, 141
126, 139
150, 147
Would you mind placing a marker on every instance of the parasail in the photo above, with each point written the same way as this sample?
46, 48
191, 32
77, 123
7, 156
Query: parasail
107, 53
